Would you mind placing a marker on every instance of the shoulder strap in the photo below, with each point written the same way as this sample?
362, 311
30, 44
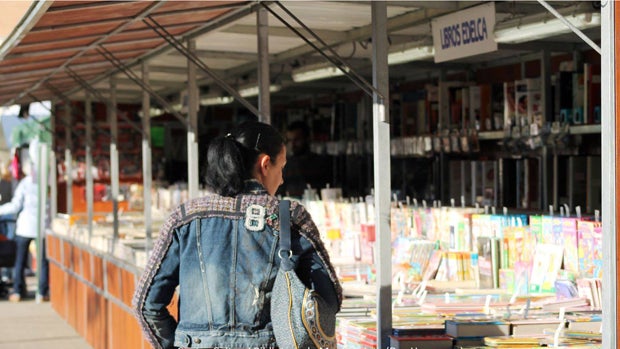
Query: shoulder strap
285, 251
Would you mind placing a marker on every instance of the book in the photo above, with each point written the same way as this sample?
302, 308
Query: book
488, 261
477, 328
591, 322
512, 341
547, 263
421, 342
590, 250
533, 326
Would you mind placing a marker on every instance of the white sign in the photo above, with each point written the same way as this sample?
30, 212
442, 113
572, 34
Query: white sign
465, 33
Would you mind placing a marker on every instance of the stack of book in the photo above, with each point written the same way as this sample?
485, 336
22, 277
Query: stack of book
471, 331
358, 333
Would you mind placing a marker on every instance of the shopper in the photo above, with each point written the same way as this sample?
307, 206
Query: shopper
25, 204
222, 251
304, 168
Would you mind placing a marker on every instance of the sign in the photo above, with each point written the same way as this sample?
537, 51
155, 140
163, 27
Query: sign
465, 33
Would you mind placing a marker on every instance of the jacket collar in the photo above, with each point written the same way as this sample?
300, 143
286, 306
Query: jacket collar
252, 186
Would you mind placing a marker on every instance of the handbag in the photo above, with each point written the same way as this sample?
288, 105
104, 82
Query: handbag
301, 319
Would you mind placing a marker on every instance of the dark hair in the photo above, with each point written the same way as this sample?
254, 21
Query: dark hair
231, 159
299, 125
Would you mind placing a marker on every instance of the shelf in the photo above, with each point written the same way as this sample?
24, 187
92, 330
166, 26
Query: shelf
585, 129
490, 135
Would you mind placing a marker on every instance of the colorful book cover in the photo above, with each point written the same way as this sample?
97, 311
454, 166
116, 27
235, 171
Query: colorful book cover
547, 229
590, 249
571, 254
536, 227
547, 263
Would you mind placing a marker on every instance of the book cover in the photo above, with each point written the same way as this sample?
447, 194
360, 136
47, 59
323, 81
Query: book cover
578, 98
509, 104
547, 263
590, 249
533, 326
477, 328
421, 342
569, 240
488, 261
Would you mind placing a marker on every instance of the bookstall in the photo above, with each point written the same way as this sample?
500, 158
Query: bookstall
466, 252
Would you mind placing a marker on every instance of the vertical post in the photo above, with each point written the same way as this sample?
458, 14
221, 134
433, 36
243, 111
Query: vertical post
68, 157
146, 156
474, 182
463, 184
53, 174
609, 172
554, 183
192, 121
571, 181
381, 146
42, 167
496, 185
114, 170
520, 184
264, 102
545, 89
89, 166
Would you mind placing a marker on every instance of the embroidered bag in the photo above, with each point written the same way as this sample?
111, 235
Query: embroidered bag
301, 318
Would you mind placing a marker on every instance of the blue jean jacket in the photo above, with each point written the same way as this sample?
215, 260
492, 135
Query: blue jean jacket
221, 252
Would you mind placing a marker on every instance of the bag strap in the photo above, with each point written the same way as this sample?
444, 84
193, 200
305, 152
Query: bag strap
285, 252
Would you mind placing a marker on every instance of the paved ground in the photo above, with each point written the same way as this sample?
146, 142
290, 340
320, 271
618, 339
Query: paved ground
28, 325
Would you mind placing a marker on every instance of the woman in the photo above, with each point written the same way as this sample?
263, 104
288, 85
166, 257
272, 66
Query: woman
221, 250
24, 204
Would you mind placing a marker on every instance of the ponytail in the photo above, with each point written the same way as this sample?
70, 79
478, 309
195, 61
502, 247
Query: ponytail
231, 159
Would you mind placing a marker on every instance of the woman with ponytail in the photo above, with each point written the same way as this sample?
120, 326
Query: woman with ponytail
221, 251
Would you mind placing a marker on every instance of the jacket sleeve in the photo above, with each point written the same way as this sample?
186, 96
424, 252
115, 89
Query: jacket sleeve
313, 265
156, 289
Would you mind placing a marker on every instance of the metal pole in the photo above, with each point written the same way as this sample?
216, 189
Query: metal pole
89, 166
53, 174
576, 30
114, 170
41, 170
146, 156
192, 121
609, 150
264, 101
381, 146
68, 158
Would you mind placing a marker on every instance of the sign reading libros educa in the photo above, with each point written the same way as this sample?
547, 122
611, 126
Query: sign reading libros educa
465, 33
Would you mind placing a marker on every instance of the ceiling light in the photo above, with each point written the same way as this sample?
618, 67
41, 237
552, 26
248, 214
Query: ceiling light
250, 91
411, 54
518, 31
216, 100
316, 72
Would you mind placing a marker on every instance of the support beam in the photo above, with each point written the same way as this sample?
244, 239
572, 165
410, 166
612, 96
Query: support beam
143, 84
381, 147
89, 165
176, 44
146, 158
150, 8
100, 97
264, 101
192, 120
610, 30
114, 167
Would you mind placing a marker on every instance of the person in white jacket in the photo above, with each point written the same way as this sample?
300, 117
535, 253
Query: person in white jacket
25, 204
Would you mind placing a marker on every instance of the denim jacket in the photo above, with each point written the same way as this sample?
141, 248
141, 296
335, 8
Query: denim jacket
221, 252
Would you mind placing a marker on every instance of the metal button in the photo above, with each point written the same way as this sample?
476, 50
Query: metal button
197, 341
